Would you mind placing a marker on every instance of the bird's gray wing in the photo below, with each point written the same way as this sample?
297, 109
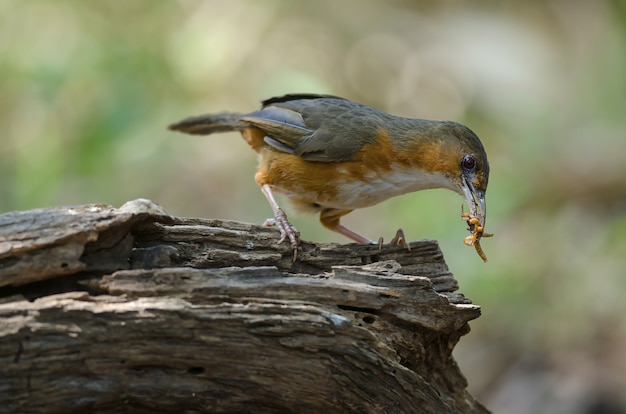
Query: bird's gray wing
316, 127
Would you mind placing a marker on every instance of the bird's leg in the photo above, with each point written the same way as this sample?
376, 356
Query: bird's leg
330, 219
287, 230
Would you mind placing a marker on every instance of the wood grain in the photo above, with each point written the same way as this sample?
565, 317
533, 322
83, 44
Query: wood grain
132, 310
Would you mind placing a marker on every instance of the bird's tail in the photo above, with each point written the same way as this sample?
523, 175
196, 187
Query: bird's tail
210, 123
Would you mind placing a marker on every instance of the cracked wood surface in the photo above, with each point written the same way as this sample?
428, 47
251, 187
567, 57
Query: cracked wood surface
130, 309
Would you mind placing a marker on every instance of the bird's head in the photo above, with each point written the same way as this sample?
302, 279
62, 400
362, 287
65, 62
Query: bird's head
466, 166
454, 153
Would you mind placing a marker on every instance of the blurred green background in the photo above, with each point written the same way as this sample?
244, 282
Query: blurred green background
87, 89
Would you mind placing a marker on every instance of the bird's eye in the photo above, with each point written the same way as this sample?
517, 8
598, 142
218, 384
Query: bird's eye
469, 162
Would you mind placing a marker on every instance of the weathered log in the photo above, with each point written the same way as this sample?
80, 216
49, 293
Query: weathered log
130, 309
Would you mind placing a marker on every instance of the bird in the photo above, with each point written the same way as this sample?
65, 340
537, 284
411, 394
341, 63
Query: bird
330, 155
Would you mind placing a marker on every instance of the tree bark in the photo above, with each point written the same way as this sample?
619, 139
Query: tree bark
133, 310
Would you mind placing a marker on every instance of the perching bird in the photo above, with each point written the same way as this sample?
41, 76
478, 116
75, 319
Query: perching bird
330, 155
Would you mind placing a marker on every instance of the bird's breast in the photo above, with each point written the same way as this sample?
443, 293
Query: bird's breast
373, 187
342, 185
375, 173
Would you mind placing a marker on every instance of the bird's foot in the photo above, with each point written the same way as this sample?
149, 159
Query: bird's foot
399, 240
287, 230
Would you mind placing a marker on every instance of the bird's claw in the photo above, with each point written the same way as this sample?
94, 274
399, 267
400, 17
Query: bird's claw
399, 240
287, 231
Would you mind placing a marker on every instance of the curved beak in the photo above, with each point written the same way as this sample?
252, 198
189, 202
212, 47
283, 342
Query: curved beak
475, 200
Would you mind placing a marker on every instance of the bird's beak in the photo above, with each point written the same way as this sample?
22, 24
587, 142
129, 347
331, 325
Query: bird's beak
475, 200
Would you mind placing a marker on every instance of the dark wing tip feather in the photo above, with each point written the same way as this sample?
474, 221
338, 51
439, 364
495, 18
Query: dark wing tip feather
296, 96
